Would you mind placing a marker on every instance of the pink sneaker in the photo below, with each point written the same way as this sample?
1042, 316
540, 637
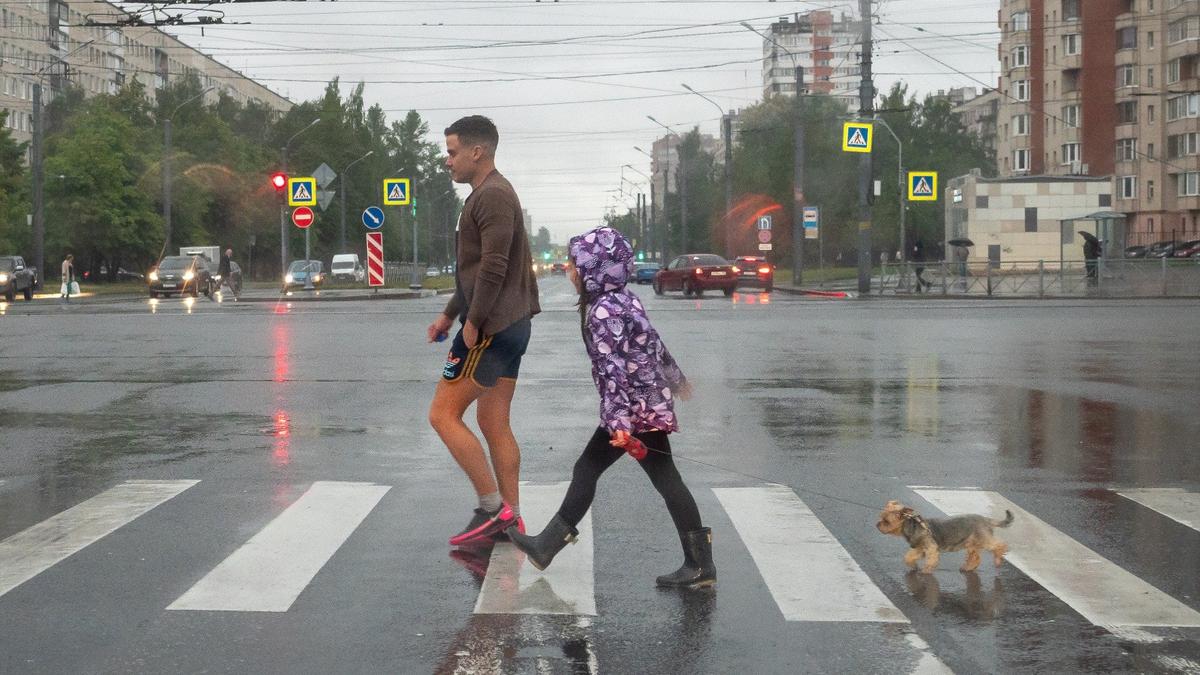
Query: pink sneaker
485, 527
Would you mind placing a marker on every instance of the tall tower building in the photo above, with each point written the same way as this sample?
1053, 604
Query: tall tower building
828, 49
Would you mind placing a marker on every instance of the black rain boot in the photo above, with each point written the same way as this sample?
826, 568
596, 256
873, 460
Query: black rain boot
542, 548
698, 569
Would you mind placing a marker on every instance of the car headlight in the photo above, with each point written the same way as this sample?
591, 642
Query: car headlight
153, 276
287, 279
3, 278
316, 278
188, 275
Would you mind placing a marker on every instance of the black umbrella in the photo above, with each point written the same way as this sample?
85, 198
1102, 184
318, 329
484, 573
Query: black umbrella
1089, 236
961, 242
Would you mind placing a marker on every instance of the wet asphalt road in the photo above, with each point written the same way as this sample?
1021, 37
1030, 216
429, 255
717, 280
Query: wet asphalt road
1056, 405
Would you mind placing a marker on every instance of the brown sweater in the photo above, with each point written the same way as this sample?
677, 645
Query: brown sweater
496, 286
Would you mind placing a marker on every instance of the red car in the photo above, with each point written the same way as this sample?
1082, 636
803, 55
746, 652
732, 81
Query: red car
756, 272
1188, 249
695, 273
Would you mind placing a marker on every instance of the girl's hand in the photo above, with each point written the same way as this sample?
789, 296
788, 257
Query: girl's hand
684, 392
619, 439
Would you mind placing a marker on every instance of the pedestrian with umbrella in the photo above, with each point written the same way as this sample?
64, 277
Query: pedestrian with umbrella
962, 251
1092, 250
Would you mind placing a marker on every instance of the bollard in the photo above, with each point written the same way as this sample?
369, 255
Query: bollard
944, 270
1164, 276
1041, 278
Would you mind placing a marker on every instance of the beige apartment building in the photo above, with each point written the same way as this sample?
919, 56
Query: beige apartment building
1107, 88
51, 37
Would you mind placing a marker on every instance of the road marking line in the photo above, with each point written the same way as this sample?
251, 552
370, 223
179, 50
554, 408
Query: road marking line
1175, 503
810, 575
268, 572
34, 550
1097, 588
928, 663
514, 586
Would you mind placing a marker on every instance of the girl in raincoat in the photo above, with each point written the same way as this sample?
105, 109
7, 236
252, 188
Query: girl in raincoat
638, 381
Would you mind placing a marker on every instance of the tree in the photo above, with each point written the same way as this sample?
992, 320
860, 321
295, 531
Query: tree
541, 241
14, 193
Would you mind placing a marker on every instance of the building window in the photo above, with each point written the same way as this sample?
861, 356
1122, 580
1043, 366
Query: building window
981, 201
1150, 77
1072, 44
1173, 67
1126, 149
1020, 160
1189, 184
1021, 88
1183, 106
1105, 200
1020, 21
1187, 28
1126, 76
1150, 39
1031, 219
1150, 224
1127, 112
1127, 187
1149, 189
1070, 116
1020, 125
1183, 145
1150, 113
1070, 10
1070, 153
1020, 56
1127, 38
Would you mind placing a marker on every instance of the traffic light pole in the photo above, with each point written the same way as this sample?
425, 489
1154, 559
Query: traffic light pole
866, 98
283, 233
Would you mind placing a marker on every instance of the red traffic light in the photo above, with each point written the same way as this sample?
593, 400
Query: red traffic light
279, 181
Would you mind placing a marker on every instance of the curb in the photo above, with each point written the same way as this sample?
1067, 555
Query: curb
386, 295
836, 295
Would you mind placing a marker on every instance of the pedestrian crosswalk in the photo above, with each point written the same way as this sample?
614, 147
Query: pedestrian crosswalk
812, 574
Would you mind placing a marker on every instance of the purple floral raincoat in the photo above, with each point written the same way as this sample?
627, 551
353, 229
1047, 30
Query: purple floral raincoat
631, 366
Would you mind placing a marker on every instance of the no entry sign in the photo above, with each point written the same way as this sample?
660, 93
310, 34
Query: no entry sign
302, 217
375, 258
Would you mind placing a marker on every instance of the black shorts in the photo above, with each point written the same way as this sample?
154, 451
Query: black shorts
496, 356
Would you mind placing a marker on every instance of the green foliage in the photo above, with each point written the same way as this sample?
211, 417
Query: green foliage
14, 192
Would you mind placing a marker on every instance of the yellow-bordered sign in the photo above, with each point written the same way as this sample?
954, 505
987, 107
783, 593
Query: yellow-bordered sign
396, 192
302, 191
922, 186
858, 136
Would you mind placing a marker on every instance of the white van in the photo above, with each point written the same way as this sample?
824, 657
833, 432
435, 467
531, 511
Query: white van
347, 267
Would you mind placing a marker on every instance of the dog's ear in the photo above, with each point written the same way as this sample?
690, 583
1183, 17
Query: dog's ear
893, 505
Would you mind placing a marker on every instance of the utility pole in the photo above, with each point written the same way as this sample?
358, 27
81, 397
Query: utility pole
866, 101
342, 185
39, 212
283, 232
798, 182
650, 227
167, 174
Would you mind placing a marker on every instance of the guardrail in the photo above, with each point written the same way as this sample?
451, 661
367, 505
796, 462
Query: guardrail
1161, 277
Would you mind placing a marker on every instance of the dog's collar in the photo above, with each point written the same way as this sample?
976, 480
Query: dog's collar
916, 518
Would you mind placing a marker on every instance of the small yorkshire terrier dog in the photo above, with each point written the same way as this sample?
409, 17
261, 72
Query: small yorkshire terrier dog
930, 537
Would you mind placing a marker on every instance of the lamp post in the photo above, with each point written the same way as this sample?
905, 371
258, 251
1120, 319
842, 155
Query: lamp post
683, 184
283, 247
342, 185
167, 176
727, 135
647, 214
900, 183
653, 235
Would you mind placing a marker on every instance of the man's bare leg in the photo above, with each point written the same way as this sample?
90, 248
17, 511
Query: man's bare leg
450, 403
492, 413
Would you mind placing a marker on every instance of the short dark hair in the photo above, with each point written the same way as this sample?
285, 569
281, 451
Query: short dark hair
475, 130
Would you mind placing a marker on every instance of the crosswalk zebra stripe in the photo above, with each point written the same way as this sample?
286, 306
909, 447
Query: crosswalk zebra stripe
268, 572
810, 575
514, 586
1098, 589
1174, 503
34, 550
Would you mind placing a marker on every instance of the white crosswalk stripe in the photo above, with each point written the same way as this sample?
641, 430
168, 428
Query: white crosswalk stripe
514, 586
1098, 589
32, 551
780, 530
270, 570
1174, 503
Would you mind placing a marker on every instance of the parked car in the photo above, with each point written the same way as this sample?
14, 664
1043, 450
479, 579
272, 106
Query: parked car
558, 268
695, 273
756, 272
1135, 252
1162, 249
182, 274
1188, 249
346, 267
299, 272
644, 272
121, 275
15, 276
432, 272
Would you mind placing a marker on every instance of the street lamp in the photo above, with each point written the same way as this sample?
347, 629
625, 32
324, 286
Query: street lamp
727, 133
283, 247
650, 232
345, 171
797, 160
683, 182
166, 168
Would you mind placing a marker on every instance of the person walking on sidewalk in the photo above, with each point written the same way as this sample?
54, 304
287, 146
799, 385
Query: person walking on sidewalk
638, 381
495, 297
68, 278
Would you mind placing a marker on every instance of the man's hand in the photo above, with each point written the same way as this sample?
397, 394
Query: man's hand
619, 439
470, 335
440, 327
684, 392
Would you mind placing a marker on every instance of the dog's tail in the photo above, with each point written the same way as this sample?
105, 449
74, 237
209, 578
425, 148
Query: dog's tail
1008, 518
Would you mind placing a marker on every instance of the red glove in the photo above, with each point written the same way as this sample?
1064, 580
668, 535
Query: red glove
636, 448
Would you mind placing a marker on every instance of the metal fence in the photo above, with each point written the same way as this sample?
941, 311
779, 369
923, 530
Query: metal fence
1039, 278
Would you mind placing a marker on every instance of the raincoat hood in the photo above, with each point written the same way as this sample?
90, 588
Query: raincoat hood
604, 259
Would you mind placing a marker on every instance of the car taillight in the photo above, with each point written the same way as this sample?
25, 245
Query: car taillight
699, 271
764, 270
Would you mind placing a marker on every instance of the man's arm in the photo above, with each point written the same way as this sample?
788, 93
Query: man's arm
497, 219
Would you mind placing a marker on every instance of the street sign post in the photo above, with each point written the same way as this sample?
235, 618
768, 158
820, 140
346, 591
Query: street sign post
396, 192
302, 217
922, 186
812, 222
375, 259
302, 191
857, 136
765, 222
372, 217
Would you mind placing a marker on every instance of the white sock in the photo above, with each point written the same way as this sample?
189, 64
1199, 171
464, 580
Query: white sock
490, 502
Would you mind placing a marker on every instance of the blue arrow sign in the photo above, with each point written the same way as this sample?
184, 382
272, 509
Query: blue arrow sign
372, 217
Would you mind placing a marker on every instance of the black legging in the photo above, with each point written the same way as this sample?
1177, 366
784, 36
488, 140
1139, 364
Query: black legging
599, 455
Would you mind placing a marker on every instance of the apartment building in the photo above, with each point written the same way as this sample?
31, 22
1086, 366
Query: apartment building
1107, 88
979, 115
49, 40
664, 164
827, 48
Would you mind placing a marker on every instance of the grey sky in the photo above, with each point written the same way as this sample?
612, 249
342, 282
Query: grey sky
565, 158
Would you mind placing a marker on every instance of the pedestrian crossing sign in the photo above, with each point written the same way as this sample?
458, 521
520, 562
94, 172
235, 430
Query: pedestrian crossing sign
857, 136
922, 186
396, 192
302, 191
